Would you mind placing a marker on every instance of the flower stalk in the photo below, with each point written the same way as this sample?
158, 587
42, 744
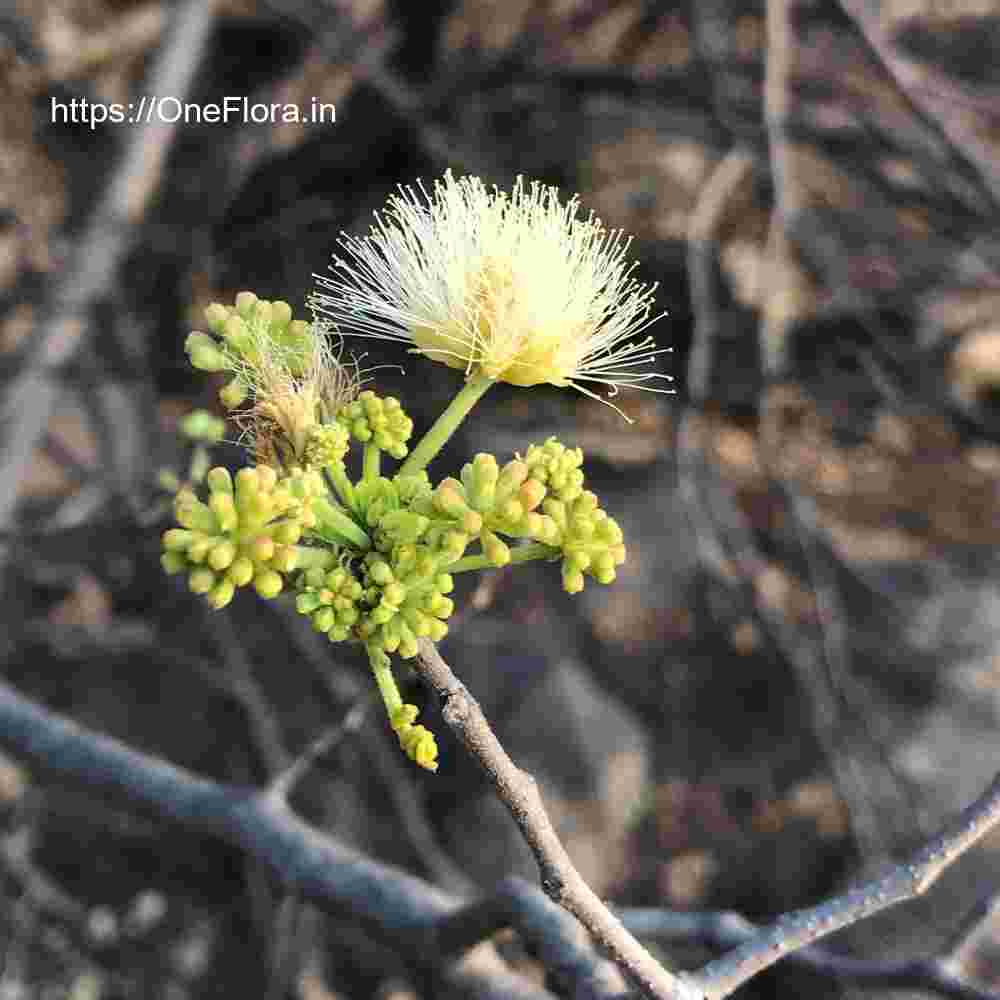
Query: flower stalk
446, 425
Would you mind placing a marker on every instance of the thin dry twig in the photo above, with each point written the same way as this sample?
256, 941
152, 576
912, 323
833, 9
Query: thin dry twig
562, 883
902, 882
727, 929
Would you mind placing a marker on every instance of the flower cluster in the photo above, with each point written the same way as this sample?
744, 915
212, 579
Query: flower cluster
507, 287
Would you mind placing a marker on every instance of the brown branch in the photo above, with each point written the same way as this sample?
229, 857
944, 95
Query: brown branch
561, 881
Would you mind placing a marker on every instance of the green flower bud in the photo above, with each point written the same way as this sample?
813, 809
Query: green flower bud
281, 315
215, 316
201, 581
479, 478
221, 594
245, 301
494, 549
233, 393
173, 562
267, 583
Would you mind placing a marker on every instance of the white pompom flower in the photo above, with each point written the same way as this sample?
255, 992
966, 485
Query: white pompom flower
516, 287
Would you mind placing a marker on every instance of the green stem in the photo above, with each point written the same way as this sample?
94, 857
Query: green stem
334, 521
387, 688
372, 465
519, 554
445, 425
344, 487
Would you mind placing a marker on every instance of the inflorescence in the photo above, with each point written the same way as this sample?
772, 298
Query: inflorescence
368, 559
528, 293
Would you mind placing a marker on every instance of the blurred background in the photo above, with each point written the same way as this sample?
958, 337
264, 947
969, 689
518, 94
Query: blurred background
793, 679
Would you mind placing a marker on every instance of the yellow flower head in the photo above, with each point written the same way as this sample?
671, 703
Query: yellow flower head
512, 286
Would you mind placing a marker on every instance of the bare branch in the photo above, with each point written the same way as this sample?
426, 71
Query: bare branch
561, 881
728, 929
561, 942
903, 881
398, 907
284, 782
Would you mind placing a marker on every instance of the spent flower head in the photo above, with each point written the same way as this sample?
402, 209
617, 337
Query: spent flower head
514, 286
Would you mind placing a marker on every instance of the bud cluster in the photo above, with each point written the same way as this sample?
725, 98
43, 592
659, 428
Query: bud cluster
382, 422
245, 533
330, 599
243, 334
405, 596
369, 560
